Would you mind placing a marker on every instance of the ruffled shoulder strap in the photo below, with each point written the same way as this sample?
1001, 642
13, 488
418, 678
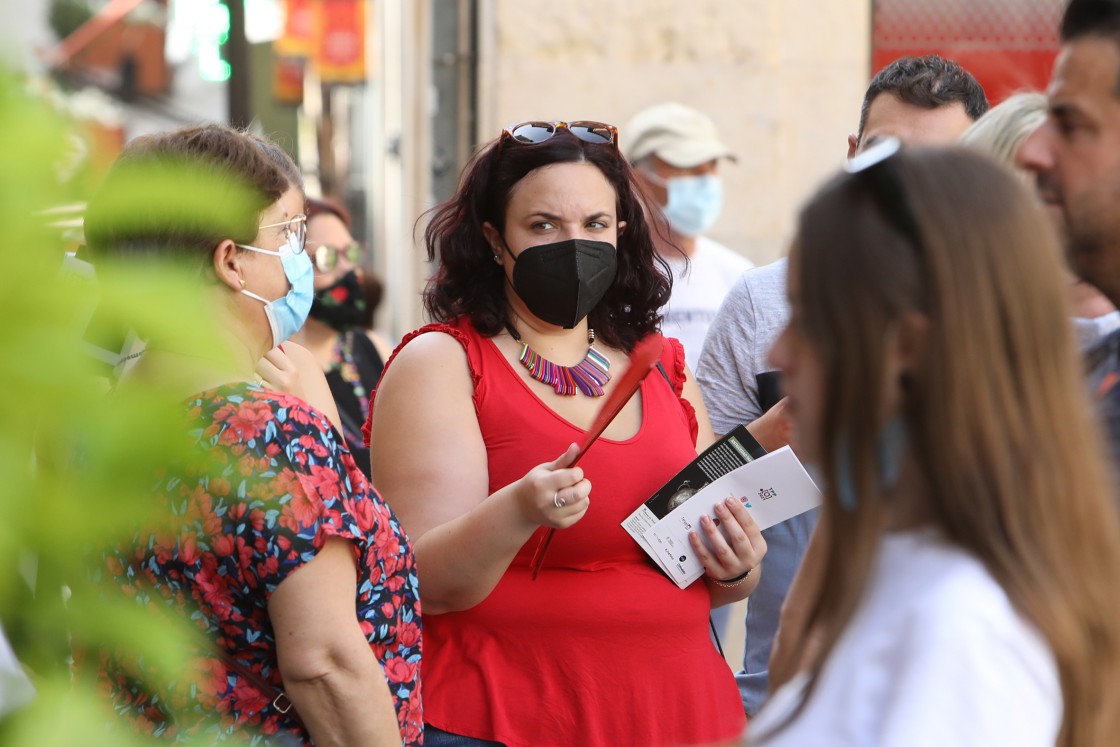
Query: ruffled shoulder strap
462, 333
672, 360
672, 366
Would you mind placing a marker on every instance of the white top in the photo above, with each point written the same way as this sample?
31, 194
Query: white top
1090, 331
711, 272
16, 689
934, 655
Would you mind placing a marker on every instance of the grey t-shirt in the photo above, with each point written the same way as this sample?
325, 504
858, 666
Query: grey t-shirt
735, 353
737, 344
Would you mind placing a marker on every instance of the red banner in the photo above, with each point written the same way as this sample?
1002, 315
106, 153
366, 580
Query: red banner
301, 28
1009, 45
342, 50
287, 79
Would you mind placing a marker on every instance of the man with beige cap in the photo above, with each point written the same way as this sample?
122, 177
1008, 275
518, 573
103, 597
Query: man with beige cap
676, 151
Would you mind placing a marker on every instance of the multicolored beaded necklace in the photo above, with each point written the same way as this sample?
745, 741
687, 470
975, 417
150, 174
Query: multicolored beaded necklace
588, 376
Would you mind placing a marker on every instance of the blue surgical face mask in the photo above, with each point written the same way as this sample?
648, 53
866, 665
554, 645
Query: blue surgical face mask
288, 313
694, 203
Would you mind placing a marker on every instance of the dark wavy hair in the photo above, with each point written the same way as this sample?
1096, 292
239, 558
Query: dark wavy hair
469, 282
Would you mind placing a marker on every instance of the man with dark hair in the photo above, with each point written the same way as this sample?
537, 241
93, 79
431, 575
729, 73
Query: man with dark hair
922, 101
1075, 156
925, 97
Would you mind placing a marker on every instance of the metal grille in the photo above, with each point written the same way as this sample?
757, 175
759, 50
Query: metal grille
1009, 25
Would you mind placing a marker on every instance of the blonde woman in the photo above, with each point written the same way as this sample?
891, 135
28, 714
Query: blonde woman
1001, 130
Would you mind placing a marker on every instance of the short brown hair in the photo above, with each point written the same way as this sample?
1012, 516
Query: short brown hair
930, 82
178, 194
1100, 18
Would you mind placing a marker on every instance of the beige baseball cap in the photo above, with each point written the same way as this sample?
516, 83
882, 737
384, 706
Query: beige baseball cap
677, 134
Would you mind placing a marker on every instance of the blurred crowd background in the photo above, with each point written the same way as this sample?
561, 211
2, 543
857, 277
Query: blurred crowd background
381, 102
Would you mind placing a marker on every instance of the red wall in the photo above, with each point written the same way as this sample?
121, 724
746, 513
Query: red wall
1009, 45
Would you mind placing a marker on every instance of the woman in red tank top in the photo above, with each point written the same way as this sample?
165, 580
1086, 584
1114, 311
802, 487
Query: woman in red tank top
547, 279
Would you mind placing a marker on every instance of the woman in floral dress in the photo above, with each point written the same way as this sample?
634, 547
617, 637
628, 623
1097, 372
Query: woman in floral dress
268, 488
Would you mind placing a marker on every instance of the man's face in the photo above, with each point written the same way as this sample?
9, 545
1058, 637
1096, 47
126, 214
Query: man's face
1075, 157
890, 116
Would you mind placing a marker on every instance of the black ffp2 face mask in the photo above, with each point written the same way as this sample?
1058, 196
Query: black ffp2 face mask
561, 283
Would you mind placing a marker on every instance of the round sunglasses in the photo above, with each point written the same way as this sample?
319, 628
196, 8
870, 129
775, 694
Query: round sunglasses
533, 132
326, 257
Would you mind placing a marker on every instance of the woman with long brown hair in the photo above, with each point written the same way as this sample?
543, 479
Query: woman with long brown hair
969, 544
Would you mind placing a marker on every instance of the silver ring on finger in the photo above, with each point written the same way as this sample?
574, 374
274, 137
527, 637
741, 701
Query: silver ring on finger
557, 501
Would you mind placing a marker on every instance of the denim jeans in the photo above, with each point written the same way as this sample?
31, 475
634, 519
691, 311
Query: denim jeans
434, 737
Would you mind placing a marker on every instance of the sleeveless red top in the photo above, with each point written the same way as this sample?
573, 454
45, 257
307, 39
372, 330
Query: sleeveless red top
602, 649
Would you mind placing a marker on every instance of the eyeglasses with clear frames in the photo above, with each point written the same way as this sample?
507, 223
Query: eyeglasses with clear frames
297, 225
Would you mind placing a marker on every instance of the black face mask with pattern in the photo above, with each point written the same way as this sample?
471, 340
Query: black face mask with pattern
561, 283
341, 305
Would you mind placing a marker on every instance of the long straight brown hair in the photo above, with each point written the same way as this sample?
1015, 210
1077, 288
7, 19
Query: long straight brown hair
1008, 460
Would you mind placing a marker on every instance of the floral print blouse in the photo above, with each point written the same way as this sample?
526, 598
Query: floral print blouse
269, 482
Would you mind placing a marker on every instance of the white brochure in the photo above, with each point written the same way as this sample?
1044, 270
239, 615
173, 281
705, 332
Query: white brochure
773, 488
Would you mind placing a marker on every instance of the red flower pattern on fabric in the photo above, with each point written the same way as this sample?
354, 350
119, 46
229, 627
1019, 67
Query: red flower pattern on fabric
248, 422
271, 482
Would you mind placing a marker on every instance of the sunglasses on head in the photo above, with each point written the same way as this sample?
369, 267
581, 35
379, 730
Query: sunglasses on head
875, 168
326, 257
532, 133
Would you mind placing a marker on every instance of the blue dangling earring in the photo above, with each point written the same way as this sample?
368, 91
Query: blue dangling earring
845, 486
890, 446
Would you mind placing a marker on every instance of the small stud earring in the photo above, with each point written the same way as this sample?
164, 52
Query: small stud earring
242, 283
497, 259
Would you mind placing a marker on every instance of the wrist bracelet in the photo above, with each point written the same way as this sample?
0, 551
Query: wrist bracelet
731, 583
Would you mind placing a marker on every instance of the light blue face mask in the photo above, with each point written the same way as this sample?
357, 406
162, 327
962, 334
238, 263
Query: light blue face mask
694, 203
288, 313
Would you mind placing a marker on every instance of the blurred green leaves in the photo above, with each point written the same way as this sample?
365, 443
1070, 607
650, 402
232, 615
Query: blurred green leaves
77, 462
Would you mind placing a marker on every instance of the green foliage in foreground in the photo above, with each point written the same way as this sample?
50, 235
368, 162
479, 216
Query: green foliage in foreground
54, 405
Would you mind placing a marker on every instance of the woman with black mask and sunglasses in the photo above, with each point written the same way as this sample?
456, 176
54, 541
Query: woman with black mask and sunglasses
547, 279
350, 355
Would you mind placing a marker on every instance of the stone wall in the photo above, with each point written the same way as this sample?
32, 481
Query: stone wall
782, 79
